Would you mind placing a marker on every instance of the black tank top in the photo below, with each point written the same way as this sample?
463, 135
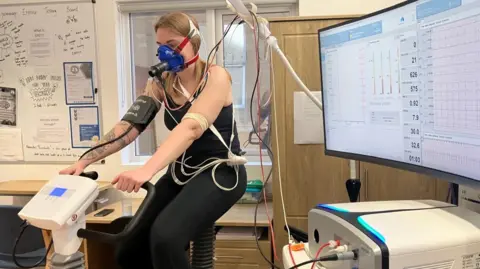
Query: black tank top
208, 145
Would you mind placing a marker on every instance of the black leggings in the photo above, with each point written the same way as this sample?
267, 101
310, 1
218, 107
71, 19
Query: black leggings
179, 214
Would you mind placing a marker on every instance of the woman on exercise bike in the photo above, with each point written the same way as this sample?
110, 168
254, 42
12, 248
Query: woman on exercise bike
189, 200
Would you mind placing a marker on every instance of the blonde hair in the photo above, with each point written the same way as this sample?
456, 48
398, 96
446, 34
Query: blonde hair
179, 23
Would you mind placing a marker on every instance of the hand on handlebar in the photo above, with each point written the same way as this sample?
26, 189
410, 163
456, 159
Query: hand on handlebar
132, 180
75, 169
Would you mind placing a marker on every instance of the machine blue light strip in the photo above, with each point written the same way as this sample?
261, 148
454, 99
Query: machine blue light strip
370, 229
333, 208
433, 7
363, 31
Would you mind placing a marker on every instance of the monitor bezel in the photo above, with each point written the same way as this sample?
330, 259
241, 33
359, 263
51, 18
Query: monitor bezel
436, 173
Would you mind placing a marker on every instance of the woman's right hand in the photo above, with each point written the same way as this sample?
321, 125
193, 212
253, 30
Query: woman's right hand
76, 169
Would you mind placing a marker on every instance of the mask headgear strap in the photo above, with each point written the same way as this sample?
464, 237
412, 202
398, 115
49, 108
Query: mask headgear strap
193, 32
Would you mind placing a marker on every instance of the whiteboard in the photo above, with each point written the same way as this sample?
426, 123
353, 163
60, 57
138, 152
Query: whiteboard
48, 57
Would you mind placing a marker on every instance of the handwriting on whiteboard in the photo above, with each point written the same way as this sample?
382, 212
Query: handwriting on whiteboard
71, 18
42, 89
47, 10
74, 41
10, 43
72, 9
50, 11
29, 12
8, 14
51, 151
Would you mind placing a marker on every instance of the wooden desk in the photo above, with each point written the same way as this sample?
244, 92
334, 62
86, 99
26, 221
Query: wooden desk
32, 187
229, 253
240, 215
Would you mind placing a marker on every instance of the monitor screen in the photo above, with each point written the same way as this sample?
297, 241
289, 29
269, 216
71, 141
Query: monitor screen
401, 87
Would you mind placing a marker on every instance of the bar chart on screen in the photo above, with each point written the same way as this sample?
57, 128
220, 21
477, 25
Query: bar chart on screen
383, 58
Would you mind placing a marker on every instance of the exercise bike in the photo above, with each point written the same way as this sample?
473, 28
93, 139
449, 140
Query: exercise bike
60, 208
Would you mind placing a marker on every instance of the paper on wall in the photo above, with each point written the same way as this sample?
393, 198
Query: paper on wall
11, 147
8, 106
79, 83
85, 126
307, 119
51, 129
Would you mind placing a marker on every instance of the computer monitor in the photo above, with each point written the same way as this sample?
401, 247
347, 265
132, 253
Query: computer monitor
401, 87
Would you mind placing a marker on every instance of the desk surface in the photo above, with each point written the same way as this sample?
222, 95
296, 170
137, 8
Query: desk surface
31, 187
239, 215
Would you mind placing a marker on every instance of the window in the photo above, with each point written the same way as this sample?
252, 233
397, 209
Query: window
237, 54
239, 58
143, 49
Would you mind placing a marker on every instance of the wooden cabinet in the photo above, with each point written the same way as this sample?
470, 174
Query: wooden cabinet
384, 183
242, 254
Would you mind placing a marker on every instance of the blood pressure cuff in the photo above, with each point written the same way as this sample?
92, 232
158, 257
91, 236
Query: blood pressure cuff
142, 112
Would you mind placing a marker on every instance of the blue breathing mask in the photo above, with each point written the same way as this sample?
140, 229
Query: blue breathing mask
171, 59
175, 60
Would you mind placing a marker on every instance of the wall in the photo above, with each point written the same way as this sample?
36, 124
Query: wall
341, 7
106, 11
108, 85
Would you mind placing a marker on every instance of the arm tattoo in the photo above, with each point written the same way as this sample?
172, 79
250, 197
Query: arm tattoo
120, 128
124, 141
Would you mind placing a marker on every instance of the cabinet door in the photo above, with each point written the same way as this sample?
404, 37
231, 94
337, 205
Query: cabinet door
308, 177
384, 183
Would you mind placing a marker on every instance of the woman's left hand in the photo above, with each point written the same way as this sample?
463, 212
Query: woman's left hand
131, 180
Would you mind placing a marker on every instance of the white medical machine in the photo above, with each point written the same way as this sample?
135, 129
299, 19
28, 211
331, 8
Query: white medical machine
60, 207
409, 234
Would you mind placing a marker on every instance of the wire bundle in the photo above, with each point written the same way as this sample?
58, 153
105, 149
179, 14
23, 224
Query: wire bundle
256, 90
23, 227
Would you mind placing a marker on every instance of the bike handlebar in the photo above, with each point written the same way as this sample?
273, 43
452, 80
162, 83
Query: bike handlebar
92, 175
129, 229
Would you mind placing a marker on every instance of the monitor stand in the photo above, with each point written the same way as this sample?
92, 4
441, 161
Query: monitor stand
453, 193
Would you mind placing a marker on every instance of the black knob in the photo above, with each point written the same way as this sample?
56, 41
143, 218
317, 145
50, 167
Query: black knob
353, 189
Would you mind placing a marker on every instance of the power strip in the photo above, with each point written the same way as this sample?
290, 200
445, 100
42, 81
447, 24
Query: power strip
299, 257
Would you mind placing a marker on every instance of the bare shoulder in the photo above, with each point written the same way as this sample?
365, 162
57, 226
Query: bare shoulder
219, 84
219, 74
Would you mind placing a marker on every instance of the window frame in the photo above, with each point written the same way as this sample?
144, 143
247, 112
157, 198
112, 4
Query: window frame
266, 8
253, 155
214, 12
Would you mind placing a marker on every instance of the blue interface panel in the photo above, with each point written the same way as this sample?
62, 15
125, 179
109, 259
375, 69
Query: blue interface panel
404, 85
58, 192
